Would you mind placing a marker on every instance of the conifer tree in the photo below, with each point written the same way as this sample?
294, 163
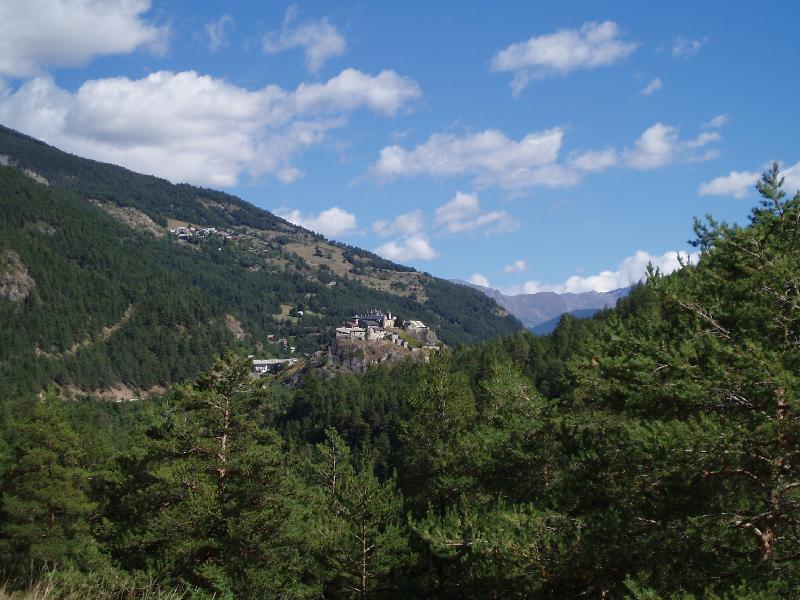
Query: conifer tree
696, 378
209, 500
46, 509
360, 525
435, 435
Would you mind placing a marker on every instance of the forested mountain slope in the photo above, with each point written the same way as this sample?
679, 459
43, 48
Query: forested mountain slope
97, 295
650, 452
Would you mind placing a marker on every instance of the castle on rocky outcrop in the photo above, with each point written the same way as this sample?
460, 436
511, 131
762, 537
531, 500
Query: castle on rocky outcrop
375, 325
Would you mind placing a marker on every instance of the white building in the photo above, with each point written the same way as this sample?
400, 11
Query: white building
270, 365
414, 326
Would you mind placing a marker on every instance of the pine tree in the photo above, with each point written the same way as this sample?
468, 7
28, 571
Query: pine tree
692, 427
360, 524
435, 435
46, 509
209, 500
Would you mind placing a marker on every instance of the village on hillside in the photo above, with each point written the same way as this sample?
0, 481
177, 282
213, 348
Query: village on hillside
190, 233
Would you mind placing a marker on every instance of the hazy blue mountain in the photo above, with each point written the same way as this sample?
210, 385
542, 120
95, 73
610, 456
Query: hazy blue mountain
540, 312
549, 325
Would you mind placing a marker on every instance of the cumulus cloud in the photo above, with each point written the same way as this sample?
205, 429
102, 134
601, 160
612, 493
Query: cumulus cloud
738, 184
630, 271
594, 160
460, 208
791, 177
217, 32
489, 155
36, 34
652, 87
735, 183
191, 127
414, 247
516, 267
593, 45
493, 159
330, 223
478, 279
717, 121
463, 213
320, 40
386, 93
408, 224
684, 48
660, 145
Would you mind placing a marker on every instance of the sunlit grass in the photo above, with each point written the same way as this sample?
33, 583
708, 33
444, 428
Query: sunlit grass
57, 585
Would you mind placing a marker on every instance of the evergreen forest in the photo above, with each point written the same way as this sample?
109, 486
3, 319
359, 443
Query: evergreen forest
652, 451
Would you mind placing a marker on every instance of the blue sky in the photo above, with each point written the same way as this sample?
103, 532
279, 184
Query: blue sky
530, 145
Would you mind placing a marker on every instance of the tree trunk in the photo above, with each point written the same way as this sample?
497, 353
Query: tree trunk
223, 442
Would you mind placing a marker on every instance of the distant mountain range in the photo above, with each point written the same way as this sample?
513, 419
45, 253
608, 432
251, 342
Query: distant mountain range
541, 312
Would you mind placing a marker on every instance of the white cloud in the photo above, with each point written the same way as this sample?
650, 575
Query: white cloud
478, 279
415, 247
490, 156
320, 40
652, 87
463, 213
217, 32
684, 48
739, 184
400, 134
408, 224
717, 121
332, 222
735, 183
594, 160
593, 45
516, 267
35, 34
630, 271
792, 179
461, 207
387, 92
660, 145
492, 159
191, 127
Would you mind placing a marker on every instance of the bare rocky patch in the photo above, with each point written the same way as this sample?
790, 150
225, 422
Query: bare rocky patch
119, 392
41, 227
105, 334
132, 217
8, 161
235, 327
16, 283
36, 177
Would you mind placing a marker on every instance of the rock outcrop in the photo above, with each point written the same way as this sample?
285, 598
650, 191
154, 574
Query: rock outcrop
15, 281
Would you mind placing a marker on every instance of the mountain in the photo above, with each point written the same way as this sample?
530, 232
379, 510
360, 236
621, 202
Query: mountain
549, 326
113, 282
540, 312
